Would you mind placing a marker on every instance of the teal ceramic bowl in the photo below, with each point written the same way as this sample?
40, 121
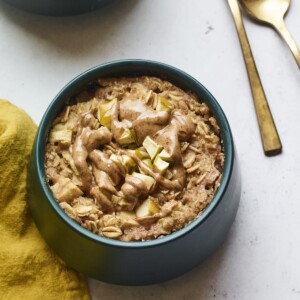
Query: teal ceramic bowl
58, 7
133, 263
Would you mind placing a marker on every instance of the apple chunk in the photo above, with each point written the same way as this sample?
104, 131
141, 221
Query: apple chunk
163, 104
148, 180
148, 163
152, 147
129, 163
164, 155
128, 219
127, 137
160, 165
105, 112
117, 200
63, 136
147, 208
141, 153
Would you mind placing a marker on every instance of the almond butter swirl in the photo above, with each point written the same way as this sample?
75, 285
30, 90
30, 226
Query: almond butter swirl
124, 154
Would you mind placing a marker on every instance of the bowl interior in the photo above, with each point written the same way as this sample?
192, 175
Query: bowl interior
134, 68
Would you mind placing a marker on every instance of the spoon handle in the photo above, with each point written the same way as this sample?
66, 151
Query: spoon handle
269, 135
285, 34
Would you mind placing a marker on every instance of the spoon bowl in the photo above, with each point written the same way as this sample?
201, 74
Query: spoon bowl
266, 10
272, 12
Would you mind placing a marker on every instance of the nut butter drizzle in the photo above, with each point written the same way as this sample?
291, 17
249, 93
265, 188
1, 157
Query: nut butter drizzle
87, 139
167, 128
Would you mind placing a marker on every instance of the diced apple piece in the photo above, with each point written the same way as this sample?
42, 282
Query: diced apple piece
128, 219
141, 153
127, 215
127, 137
133, 134
160, 165
147, 208
106, 120
128, 162
149, 181
104, 112
62, 136
165, 155
152, 147
148, 163
124, 203
65, 190
163, 104
115, 199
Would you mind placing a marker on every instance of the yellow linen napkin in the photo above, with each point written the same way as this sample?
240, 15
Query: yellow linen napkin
28, 268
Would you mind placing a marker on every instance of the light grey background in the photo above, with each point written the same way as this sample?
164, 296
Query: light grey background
261, 257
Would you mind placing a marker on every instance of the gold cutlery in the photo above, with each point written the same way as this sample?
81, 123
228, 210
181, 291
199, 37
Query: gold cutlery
269, 135
272, 12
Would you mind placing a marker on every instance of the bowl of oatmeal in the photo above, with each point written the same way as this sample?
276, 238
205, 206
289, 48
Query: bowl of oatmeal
133, 177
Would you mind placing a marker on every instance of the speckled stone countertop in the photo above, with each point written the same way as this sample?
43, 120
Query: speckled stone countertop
261, 256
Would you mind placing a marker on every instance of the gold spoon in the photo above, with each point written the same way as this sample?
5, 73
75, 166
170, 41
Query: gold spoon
270, 138
272, 12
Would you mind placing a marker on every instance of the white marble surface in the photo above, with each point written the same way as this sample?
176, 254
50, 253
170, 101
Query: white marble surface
261, 257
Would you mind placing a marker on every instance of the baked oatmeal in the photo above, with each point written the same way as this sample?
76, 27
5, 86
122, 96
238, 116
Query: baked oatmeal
134, 159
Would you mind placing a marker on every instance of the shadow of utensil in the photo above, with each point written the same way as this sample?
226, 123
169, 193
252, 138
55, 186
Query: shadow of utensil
200, 283
77, 35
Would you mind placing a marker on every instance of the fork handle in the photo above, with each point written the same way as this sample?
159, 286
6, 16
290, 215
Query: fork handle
285, 34
269, 135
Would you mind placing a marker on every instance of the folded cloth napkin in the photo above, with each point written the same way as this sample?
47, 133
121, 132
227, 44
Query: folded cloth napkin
28, 268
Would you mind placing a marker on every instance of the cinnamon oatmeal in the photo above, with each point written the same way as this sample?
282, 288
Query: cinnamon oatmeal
134, 159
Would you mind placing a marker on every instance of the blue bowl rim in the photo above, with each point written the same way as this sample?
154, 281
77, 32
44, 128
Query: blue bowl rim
206, 97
